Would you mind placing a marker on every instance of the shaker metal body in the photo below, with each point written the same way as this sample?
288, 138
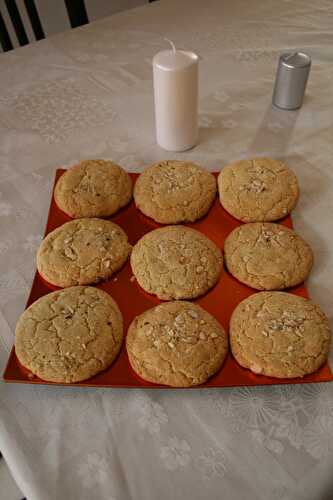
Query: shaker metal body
291, 78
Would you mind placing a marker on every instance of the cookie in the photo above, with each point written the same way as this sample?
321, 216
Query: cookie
69, 335
279, 335
93, 188
267, 256
174, 191
177, 344
258, 190
82, 251
176, 262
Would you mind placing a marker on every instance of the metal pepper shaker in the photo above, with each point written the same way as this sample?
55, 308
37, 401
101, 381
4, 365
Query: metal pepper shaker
291, 78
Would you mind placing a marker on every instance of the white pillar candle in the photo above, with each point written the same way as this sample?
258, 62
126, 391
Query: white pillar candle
176, 98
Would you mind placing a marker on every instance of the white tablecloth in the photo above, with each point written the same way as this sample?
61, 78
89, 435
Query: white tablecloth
88, 93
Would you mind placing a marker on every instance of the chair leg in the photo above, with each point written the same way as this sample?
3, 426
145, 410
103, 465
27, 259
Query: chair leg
76, 12
17, 22
5, 40
34, 19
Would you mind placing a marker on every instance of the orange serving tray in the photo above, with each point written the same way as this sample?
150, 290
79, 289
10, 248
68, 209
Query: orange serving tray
132, 300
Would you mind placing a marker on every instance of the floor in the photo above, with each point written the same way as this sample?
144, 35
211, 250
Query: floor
8, 488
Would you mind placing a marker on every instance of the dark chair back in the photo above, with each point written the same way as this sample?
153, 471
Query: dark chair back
77, 15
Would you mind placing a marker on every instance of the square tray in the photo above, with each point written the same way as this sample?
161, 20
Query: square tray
132, 300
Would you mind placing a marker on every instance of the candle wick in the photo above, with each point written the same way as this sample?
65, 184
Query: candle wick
291, 55
171, 43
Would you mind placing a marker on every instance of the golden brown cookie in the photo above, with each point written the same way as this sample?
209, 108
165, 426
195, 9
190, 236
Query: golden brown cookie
176, 262
258, 190
93, 188
176, 343
69, 335
174, 191
279, 334
82, 251
267, 256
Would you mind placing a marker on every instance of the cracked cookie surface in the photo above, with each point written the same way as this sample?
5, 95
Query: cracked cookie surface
69, 335
267, 256
174, 191
176, 262
82, 251
93, 188
258, 190
177, 344
279, 335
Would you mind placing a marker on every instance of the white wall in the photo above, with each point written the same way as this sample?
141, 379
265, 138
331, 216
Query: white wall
102, 8
53, 16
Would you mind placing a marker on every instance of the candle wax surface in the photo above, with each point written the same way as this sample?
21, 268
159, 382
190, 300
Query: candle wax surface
173, 60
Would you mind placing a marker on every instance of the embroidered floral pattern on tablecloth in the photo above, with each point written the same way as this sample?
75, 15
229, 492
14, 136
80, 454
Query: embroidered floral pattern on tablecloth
94, 470
212, 463
57, 108
152, 417
317, 437
176, 453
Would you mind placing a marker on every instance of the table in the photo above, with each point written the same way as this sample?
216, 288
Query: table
88, 93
